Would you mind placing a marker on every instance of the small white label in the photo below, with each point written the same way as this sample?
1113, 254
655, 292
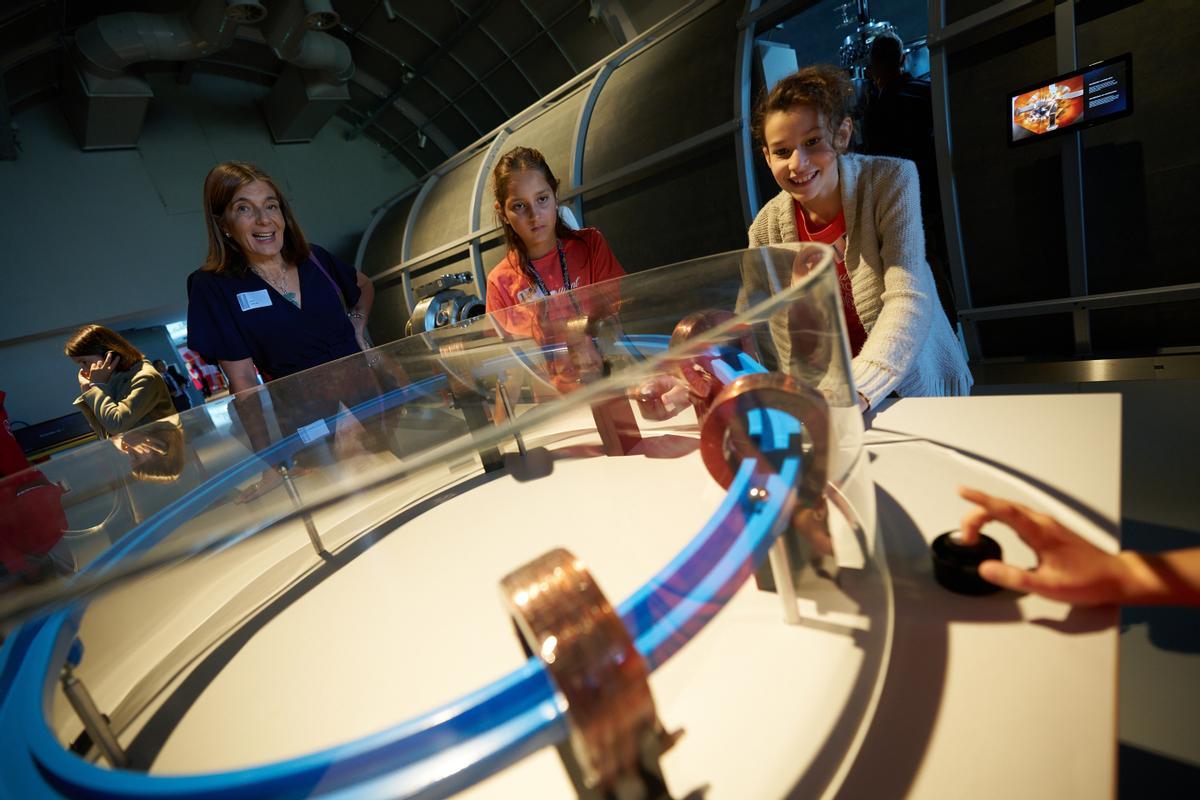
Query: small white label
525, 295
313, 431
251, 300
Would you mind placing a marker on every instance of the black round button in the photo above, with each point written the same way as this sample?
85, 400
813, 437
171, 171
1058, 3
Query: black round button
956, 566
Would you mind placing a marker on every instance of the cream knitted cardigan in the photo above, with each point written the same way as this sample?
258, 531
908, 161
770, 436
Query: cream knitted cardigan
910, 348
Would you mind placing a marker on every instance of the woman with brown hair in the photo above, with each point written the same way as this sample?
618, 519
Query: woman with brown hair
119, 388
264, 297
267, 300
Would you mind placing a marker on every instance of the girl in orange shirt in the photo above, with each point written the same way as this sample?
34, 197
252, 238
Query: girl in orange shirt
545, 257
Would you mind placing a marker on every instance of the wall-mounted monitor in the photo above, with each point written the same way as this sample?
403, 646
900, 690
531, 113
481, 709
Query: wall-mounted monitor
1097, 93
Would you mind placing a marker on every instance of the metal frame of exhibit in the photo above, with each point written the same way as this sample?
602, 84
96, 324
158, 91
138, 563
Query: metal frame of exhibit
984, 24
596, 75
594, 79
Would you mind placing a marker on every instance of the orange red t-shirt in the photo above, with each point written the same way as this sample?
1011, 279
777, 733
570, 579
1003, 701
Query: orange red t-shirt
589, 260
519, 307
834, 234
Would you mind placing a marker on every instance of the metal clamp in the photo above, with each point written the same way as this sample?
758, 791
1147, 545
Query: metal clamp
615, 738
95, 723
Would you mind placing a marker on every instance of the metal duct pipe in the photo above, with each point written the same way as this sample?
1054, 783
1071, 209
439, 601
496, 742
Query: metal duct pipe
295, 34
109, 44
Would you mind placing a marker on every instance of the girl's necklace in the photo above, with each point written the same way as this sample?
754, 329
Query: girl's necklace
278, 284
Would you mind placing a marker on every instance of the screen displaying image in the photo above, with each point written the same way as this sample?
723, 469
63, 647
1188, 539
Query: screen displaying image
1076, 100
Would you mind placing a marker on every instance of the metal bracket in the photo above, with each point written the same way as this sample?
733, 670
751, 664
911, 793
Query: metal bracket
309, 525
467, 398
95, 723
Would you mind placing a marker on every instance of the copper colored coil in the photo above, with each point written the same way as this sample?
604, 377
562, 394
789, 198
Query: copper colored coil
696, 371
565, 620
724, 434
699, 322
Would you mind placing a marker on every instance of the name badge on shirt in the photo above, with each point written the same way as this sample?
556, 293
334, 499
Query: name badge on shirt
532, 293
252, 300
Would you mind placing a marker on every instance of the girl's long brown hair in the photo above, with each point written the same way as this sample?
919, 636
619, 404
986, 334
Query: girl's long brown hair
220, 187
516, 160
97, 340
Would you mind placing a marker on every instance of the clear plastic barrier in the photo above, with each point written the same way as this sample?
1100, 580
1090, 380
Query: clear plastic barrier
298, 587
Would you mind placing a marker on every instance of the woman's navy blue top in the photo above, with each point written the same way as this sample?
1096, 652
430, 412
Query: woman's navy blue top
231, 318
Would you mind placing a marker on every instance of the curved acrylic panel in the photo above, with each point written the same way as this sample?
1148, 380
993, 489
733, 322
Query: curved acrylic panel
342, 631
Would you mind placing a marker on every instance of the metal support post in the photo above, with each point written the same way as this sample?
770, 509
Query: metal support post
508, 413
309, 525
1072, 182
95, 723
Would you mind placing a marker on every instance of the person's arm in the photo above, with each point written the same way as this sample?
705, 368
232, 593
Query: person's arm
1073, 570
360, 312
121, 414
243, 377
899, 333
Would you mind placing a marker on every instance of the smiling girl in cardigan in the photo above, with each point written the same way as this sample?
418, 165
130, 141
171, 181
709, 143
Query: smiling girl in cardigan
868, 208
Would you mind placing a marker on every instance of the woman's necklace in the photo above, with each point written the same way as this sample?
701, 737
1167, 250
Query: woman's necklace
278, 284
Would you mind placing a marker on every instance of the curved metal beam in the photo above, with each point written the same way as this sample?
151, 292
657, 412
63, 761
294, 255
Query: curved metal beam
443, 46
379, 214
473, 216
747, 183
454, 103
394, 95
423, 73
504, 52
406, 242
549, 33
410, 112
579, 135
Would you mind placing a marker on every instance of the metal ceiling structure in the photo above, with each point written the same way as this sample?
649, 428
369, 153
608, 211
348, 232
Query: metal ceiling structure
428, 78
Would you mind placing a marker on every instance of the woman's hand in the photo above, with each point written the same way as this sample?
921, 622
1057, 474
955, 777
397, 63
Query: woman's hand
101, 371
358, 321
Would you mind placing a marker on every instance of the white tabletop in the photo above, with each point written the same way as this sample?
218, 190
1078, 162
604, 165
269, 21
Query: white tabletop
1001, 696
1005, 695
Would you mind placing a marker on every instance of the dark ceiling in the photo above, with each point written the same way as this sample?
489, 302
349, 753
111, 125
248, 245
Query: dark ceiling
432, 76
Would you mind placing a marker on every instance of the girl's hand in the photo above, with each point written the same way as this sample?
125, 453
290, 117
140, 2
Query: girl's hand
101, 371
662, 397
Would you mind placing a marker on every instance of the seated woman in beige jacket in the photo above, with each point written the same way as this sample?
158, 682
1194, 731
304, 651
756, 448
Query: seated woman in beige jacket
869, 210
119, 388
